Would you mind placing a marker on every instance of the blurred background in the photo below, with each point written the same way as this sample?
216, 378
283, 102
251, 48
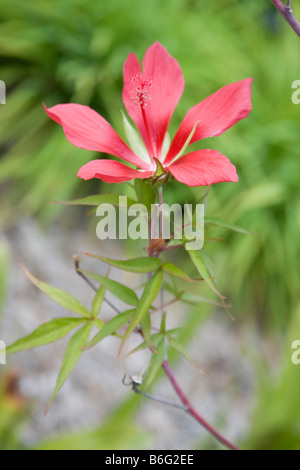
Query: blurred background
73, 51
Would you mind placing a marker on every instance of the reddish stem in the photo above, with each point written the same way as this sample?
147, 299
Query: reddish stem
287, 13
192, 411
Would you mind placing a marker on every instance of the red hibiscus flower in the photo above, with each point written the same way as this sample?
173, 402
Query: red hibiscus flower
150, 96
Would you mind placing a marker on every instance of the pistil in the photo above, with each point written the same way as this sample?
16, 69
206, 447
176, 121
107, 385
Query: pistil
141, 97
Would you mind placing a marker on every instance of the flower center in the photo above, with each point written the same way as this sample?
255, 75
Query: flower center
141, 95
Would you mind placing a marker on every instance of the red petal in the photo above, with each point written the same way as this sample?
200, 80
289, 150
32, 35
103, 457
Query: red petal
215, 114
168, 85
86, 129
202, 168
110, 171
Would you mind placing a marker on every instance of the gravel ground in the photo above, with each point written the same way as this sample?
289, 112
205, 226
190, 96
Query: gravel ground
223, 395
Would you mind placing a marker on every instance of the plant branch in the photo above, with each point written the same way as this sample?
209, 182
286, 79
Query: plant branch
287, 13
165, 365
162, 292
135, 388
90, 283
167, 304
192, 411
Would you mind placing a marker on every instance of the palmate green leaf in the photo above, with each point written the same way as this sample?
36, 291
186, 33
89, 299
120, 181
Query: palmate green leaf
181, 349
98, 323
172, 288
72, 356
175, 271
110, 328
163, 327
179, 330
222, 224
59, 296
150, 293
146, 330
203, 271
209, 264
135, 265
45, 334
98, 301
155, 339
96, 200
124, 293
155, 365
195, 299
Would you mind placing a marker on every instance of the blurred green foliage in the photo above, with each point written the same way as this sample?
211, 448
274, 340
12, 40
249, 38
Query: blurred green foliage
276, 421
119, 431
73, 51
